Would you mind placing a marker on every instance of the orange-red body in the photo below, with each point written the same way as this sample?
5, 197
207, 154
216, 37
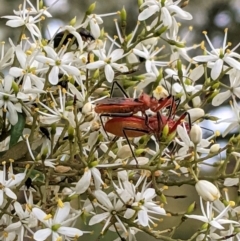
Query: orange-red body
135, 126
130, 105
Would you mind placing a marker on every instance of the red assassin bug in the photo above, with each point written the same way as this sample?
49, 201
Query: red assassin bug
125, 106
136, 126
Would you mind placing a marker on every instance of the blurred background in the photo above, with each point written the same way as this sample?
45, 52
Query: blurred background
212, 16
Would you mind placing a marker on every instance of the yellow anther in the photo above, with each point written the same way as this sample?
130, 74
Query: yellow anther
60, 203
217, 133
47, 217
231, 203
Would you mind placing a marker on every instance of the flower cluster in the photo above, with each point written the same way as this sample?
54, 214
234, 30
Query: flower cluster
78, 155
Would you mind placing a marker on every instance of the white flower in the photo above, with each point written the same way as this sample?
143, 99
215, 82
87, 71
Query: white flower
187, 145
188, 81
207, 190
142, 201
108, 62
19, 226
84, 182
178, 46
217, 57
33, 11
8, 101
56, 226
167, 10
24, 18
57, 113
94, 20
110, 209
27, 71
6, 185
149, 55
60, 62
208, 216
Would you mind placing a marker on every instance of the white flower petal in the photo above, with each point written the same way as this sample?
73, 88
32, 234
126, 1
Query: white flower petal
62, 213
10, 193
232, 62
217, 69
109, 73
70, 232
166, 17
16, 72
70, 70
220, 98
179, 12
103, 198
83, 184
96, 65
53, 75
216, 225
95, 30
143, 218
42, 234
98, 218
205, 58
13, 117
148, 12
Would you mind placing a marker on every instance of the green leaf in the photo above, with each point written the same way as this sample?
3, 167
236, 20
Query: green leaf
34, 173
17, 130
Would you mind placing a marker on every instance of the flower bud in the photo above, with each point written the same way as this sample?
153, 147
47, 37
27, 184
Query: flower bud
215, 148
123, 16
207, 190
91, 8
124, 152
163, 198
140, 2
212, 95
15, 87
87, 108
70, 133
196, 134
96, 74
53, 129
92, 164
171, 136
44, 153
165, 131
62, 169
73, 21
179, 68
161, 31
41, 4
196, 113
191, 208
